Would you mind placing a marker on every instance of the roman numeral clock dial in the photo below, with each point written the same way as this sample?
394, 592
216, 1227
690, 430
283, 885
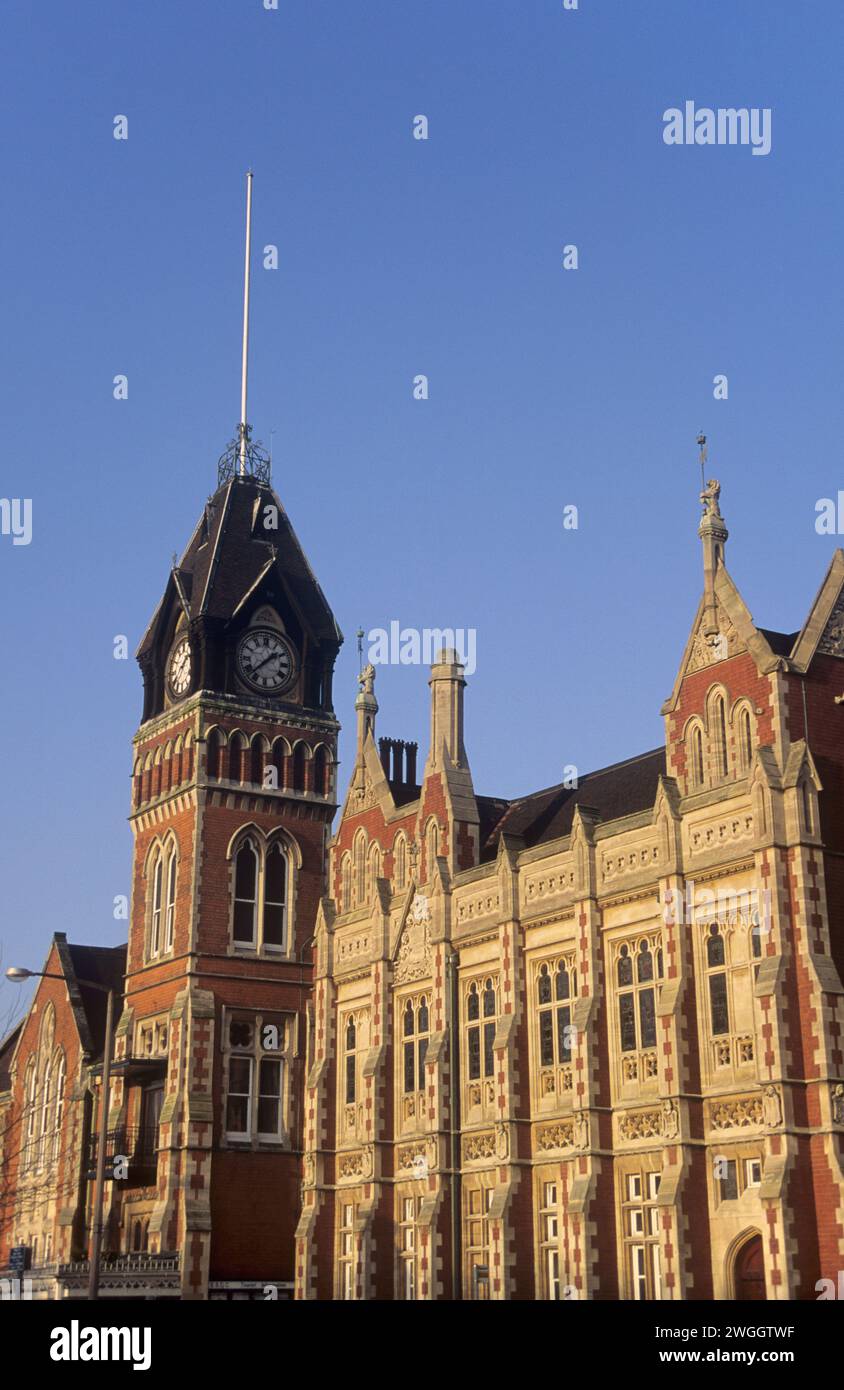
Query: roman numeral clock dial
265, 661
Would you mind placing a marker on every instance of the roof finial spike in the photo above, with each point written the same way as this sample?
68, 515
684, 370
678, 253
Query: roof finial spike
245, 358
244, 455
701, 443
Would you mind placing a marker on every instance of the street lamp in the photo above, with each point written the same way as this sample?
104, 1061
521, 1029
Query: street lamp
18, 974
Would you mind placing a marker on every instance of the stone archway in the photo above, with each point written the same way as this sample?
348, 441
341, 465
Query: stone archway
748, 1270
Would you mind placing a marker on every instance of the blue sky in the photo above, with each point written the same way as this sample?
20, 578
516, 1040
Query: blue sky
397, 257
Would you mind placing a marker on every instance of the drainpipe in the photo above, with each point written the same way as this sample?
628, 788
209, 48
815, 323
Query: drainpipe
454, 1125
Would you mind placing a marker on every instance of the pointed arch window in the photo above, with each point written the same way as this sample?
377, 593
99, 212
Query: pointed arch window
246, 894
401, 863
299, 758
351, 1060
556, 986
30, 1091
697, 756
157, 897
214, 756
745, 738
719, 1009
46, 1096
322, 771
58, 1114
720, 737
275, 898
360, 869
807, 806
346, 884
170, 908
638, 973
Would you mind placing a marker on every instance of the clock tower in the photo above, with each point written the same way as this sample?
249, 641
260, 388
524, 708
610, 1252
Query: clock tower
234, 791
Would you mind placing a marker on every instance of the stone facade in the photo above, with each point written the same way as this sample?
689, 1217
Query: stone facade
589, 1044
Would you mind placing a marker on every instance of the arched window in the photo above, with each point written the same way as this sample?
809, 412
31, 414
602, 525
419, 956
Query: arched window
30, 1091
237, 749
697, 756
400, 867
214, 759
58, 1113
360, 869
719, 1011
275, 898
374, 870
246, 894
299, 767
256, 761
415, 1028
170, 907
745, 738
157, 894
719, 734
432, 845
46, 1097
346, 884
807, 806
638, 971
351, 1067
554, 994
167, 768
279, 757
322, 777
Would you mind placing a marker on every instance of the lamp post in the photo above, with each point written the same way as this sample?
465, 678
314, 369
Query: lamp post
18, 974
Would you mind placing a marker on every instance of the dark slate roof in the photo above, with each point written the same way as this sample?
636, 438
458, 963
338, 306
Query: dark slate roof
619, 790
105, 965
781, 643
228, 552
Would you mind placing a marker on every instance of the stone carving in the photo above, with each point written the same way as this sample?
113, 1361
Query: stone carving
709, 497
670, 1121
640, 1124
741, 1113
580, 1130
478, 1146
838, 1104
419, 909
544, 887
721, 833
419, 1156
832, 641
413, 959
478, 907
772, 1107
366, 680
357, 1165
705, 650
502, 1141
308, 1170
558, 1136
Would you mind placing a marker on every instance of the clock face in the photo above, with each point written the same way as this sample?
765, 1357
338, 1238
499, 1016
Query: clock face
178, 674
265, 660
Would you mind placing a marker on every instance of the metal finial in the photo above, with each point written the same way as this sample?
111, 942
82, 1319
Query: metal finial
701, 443
360, 635
245, 357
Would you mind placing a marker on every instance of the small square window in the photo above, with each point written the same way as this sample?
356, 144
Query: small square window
653, 1185
753, 1172
728, 1180
634, 1187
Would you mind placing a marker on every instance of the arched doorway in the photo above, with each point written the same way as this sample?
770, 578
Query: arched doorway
749, 1271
